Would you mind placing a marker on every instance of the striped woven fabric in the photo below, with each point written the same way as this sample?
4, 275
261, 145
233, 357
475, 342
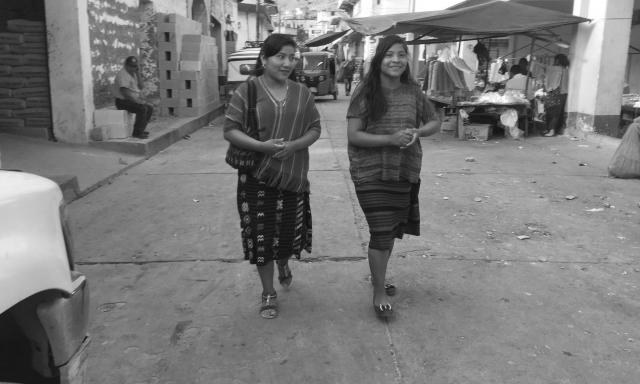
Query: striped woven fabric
407, 107
391, 209
289, 119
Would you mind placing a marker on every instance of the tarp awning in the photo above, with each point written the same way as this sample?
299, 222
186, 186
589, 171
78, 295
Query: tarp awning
495, 18
375, 25
325, 39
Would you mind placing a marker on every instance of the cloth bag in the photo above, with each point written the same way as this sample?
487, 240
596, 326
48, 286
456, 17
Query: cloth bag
240, 158
625, 163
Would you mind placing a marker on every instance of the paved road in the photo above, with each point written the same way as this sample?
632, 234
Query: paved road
172, 302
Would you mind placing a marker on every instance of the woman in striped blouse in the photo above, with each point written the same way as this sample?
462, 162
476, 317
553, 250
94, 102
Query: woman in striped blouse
387, 114
273, 200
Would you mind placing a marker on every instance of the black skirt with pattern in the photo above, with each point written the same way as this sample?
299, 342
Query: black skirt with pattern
275, 224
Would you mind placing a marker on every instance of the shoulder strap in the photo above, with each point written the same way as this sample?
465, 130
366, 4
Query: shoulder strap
252, 94
252, 122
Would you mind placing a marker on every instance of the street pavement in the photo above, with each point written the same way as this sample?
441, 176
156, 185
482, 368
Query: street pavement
527, 271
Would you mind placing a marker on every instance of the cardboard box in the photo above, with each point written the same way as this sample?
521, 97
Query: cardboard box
480, 132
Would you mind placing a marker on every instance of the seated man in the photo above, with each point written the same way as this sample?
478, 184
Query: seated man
127, 86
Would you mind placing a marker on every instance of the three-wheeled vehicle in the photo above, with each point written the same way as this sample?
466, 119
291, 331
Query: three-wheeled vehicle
318, 73
239, 66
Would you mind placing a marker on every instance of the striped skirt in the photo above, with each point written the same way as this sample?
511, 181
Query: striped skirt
392, 210
275, 224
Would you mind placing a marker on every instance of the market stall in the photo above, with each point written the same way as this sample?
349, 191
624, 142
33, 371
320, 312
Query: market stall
446, 81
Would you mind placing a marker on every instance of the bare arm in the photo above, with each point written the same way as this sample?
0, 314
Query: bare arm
431, 127
304, 141
242, 140
358, 137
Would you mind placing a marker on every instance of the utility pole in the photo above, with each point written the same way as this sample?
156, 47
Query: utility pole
416, 48
257, 20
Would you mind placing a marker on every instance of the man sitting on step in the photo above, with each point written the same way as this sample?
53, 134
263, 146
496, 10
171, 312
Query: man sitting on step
126, 89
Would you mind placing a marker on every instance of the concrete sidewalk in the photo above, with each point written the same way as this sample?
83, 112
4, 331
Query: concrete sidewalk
510, 282
79, 169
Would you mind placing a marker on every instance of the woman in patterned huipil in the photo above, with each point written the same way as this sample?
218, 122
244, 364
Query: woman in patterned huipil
273, 200
387, 114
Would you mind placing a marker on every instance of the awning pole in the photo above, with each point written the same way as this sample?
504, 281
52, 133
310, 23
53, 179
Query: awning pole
526, 83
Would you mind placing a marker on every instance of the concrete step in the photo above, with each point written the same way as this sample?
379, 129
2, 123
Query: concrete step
69, 186
163, 131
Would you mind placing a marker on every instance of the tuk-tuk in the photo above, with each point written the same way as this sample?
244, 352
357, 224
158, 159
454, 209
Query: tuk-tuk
318, 73
239, 65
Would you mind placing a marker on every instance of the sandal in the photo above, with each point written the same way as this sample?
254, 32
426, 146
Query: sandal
284, 275
389, 289
269, 306
383, 310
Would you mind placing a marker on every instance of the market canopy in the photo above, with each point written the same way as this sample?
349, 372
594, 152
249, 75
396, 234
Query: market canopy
491, 19
325, 39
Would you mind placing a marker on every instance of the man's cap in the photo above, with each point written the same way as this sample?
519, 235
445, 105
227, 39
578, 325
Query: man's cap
132, 61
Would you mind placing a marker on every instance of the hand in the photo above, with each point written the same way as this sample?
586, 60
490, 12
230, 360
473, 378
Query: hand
288, 149
413, 139
402, 138
273, 146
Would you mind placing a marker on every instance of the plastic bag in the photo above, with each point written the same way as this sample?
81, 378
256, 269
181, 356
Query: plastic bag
509, 119
625, 163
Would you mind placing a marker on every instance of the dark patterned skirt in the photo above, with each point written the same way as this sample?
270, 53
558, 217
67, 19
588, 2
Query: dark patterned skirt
392, 209
275, 224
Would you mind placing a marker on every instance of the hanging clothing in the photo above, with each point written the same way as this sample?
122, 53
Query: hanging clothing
440, 81
456, 75
427, 70
495, 74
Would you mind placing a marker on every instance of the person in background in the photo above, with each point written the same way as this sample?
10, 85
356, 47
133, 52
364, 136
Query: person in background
273, 200
517, 81
523, 64
348, 70
386, 115
557, 88
127, 91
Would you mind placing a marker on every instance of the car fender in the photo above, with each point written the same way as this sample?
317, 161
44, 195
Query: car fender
33, 255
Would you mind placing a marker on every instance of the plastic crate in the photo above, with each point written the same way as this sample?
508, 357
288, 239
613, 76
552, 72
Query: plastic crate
480, 132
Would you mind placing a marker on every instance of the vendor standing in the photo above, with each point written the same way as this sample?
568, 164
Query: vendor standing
557, 88
127, 88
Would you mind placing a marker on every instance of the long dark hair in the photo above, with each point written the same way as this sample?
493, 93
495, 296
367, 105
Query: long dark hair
372, 89
271, 46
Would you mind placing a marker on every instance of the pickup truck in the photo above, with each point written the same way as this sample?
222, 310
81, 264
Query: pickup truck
44, 300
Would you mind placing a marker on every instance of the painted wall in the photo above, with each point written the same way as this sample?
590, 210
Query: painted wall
114, 35
69, 70
633, 64
599, 59
121, 28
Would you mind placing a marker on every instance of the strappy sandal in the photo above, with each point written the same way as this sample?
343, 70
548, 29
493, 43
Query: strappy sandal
284, 275
383, 311
269, 306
